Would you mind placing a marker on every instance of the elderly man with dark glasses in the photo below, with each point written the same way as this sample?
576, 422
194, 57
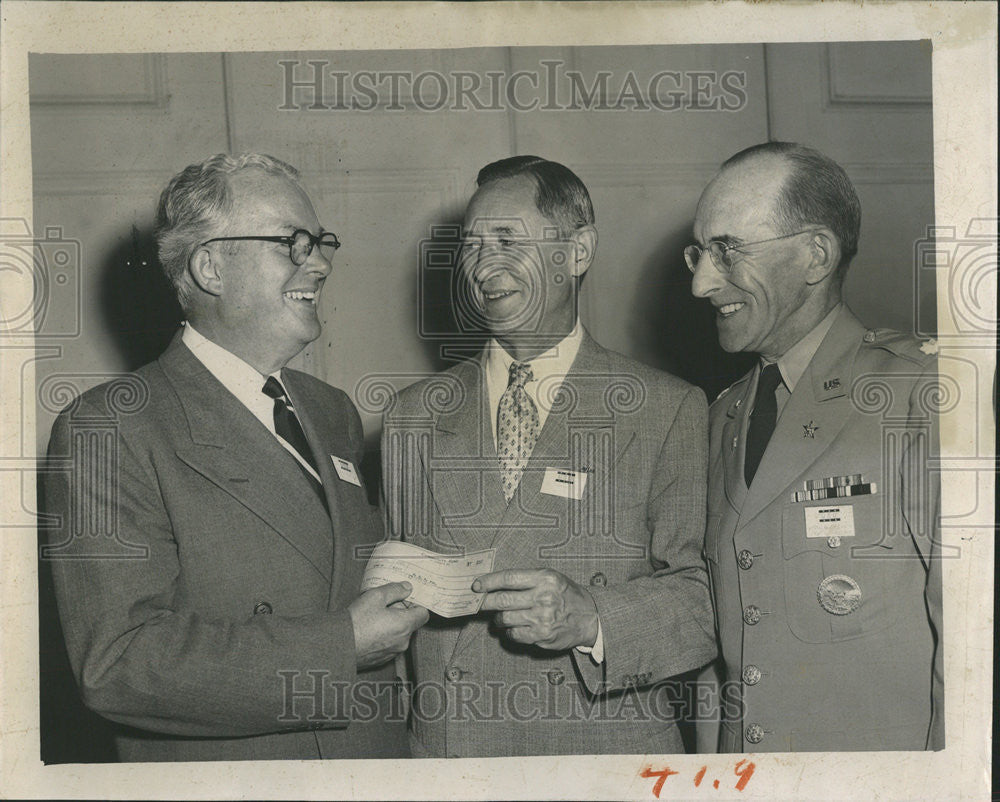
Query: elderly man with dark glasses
210, 553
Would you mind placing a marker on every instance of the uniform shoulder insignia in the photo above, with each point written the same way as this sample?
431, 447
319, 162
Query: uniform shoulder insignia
902, 345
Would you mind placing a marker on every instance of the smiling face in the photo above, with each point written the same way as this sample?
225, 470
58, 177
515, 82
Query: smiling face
763, 304
264, 309
521, 277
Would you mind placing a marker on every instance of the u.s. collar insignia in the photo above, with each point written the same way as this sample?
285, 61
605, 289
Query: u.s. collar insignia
831, 384
810, 430
929, 347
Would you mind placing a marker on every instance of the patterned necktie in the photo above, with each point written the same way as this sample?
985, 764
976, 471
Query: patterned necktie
762, 419
517, 428
288, 428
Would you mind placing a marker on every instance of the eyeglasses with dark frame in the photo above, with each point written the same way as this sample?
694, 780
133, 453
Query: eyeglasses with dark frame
724, 255
300, 244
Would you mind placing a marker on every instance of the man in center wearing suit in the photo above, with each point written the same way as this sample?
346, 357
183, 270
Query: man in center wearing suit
583, 469
212, 521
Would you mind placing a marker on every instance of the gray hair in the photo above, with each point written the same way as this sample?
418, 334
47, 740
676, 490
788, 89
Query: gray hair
816, 191
194, 205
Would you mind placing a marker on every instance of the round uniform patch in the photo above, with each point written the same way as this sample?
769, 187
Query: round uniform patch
839, 594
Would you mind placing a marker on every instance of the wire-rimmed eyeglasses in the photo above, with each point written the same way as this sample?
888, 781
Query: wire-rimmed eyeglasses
300, 244
723, 254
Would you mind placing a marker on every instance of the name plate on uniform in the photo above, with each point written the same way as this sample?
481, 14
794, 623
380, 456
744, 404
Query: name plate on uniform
564, 483
827, 522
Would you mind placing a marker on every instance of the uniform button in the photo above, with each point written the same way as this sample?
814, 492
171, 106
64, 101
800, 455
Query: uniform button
833, 541
453, 674
751, 674
869, 336
262, 608
754, 733
751, 614
556, 677
744, 559
598, 580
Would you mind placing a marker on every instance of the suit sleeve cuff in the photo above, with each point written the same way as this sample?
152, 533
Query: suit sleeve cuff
596, 651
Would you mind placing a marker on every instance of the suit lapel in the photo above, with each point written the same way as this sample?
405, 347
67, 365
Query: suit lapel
820, 405
231, 449
327, 431
733, 441
463, 446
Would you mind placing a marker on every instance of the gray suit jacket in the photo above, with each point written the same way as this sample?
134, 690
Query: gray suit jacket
202, 586
634, 539
805, 672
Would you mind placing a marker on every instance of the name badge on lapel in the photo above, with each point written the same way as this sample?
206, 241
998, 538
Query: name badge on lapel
345, 470
563, 483
830, 521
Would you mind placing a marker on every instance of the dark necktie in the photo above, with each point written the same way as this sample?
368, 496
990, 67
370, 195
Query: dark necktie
517, 428
762, 419
288, 428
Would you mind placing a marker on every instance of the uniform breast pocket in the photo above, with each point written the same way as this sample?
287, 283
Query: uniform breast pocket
837, 570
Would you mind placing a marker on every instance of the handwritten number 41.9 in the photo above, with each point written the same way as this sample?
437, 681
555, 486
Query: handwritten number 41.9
743, 770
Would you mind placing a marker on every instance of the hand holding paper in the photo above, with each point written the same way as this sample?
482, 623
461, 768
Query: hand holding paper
441, 582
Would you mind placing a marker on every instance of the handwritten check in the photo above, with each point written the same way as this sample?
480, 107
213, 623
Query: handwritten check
441, 582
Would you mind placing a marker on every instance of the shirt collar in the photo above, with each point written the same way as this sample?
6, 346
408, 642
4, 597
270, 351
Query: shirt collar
555, 362
793, 363
242, 380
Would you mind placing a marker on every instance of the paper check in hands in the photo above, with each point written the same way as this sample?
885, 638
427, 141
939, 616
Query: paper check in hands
382, 628
540, 607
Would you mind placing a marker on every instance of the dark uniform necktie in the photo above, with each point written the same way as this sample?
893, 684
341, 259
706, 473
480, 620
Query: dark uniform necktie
517, 428
762, 419
288, 428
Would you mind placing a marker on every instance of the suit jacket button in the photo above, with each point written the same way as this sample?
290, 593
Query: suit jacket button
745, 559
751, 614
598, 580
754, 733
556, 677
453, 674
262, 608
751, 674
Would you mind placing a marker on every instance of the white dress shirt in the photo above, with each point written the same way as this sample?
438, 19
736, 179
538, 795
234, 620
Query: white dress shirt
243, 381
548, 371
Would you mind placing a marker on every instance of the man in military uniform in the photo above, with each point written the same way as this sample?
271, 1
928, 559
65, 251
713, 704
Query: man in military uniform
821, 540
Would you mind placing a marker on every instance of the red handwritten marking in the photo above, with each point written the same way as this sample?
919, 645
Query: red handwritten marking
744, 775
715, 783
700, 775
658, 785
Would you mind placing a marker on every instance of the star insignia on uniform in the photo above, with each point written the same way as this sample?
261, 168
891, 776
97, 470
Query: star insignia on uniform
810, 430
929, 347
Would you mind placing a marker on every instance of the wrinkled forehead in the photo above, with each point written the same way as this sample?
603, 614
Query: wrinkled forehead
740, 200
506, 206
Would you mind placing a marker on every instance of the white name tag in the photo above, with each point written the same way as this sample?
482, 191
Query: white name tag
563, 483
345, 470
830, 521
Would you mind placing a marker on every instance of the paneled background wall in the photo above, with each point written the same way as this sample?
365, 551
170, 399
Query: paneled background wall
109, 131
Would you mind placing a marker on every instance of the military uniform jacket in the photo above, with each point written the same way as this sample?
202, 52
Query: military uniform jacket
200, 580
633, 539
828, 616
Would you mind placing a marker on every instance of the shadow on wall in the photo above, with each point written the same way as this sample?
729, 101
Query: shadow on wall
674, 331
138, 306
